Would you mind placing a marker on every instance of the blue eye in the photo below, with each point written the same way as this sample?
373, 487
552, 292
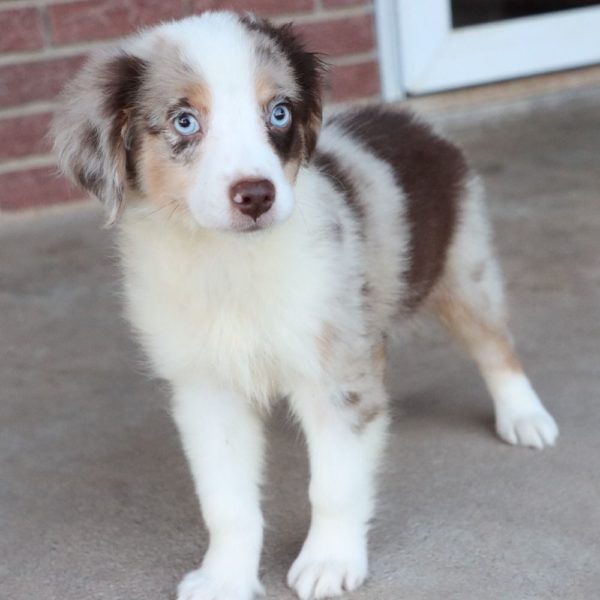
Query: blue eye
281, 116
186, 124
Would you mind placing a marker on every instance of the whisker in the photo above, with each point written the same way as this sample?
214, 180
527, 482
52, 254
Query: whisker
164, 206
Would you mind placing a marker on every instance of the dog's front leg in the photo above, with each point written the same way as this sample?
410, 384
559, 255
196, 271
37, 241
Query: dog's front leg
345, 432
223, 440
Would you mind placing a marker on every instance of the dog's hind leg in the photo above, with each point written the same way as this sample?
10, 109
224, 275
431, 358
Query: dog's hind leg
469, 301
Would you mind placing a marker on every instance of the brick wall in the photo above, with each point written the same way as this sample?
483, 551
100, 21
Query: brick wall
43, 43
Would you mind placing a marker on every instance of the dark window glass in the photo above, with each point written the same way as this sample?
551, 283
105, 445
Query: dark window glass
475, 12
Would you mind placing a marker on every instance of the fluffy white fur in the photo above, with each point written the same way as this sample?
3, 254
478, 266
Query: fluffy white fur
236, 320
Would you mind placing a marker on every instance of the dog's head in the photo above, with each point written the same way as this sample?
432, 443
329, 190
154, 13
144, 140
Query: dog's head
206, 120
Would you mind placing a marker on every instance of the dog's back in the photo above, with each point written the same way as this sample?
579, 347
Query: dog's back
430, 178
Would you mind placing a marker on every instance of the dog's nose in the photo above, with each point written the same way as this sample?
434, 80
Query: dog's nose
252, 197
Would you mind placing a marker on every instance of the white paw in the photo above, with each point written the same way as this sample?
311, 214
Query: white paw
534, 428
314, 575
199, 585
521, 418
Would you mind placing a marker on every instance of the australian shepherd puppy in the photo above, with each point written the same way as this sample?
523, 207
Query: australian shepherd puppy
266, 256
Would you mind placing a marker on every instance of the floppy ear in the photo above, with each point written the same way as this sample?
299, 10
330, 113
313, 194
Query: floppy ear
91, 129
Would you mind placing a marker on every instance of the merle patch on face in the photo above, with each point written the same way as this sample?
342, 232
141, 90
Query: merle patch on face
287, 142
299, 141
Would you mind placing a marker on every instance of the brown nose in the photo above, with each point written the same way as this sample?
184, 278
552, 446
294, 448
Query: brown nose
252, 197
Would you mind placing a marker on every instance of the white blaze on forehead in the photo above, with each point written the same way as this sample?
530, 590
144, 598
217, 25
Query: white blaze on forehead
217, 47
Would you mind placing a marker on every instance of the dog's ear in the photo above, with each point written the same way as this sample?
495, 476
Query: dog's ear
92, 127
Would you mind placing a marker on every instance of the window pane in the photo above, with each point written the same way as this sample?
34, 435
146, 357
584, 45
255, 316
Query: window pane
474, 12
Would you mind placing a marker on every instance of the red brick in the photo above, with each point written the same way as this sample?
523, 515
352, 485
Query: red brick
35, 187
339, 36
21, 136
350, 82
20, 30
35, 81
102, 19
345, 3
261, 7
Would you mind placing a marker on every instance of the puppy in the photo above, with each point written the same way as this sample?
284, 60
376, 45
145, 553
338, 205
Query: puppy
265, 257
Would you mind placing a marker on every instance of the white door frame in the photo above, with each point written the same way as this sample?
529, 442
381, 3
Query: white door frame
420, 52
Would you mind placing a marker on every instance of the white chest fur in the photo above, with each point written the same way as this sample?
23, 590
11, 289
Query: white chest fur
244, 309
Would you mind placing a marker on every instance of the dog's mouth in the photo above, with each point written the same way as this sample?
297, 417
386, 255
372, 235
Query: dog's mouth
246, 224
252, 226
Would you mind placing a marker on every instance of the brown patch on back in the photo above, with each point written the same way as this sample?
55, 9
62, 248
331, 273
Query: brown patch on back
328, 164
431, 171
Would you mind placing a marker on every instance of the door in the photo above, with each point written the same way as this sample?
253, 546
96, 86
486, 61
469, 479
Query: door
434, 45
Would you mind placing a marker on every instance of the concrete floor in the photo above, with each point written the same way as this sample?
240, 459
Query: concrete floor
95, 497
